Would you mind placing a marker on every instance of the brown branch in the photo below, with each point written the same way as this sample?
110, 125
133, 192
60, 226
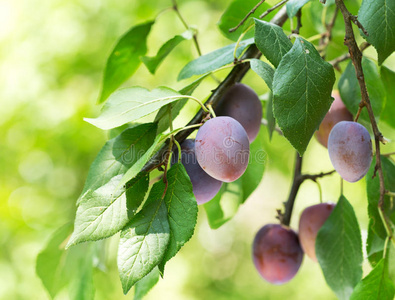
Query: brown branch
246, 17
272, 8
234, 76
356, 57
298, 179
335, 62
299, 22
327, 35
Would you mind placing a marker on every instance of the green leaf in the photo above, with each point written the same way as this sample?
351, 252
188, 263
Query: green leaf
108, 209
144, 240
339, 249
256, 167
374, 246
152, 63
213, 60
182, 210
271, 41
378, 18
138, 166
236, 11
388, 113
271, 120
351, 93
125, 58
373, 192
50, 261
225, 204
130, 104
80, 260
162, 116
293, 6
376, 285
264, 70
302, 87
143, 286
118, 155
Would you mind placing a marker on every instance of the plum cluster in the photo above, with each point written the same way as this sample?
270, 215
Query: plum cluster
220, 151
278, 250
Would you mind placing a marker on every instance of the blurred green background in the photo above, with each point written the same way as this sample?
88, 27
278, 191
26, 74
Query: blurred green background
52, 54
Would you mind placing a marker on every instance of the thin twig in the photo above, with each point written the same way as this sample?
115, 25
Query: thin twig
356, 57
195, 40
298, 179
327, 35
335, 62
272, 8
246, 17
299, 22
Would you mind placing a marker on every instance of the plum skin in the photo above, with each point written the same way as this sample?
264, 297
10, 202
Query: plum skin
204, 186
350, 150
310, 222
222, 148
277, 253
242, 103
338, 112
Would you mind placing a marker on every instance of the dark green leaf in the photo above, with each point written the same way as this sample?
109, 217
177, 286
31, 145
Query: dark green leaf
375, 286
378, 18
144, 240
225, 204
339, 249
265, 71
271, 41
143, 286
152, 63
388, 78
351, 93
213, 60
373, 192
125, 58
118, 155
271, 120
130, 104
108, 209
302, 87
293, 6
236, 11
162, 116
50, 261
182, 210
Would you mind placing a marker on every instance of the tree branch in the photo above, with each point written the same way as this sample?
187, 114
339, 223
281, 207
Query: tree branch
356, 57
234, 76
272, 8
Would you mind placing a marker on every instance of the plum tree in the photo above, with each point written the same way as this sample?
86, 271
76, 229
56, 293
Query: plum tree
310, 222
337, 113
205, 187
277, 254
222, 148
242, 103
350, 150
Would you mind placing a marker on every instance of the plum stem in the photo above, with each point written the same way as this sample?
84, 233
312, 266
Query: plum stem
356, 58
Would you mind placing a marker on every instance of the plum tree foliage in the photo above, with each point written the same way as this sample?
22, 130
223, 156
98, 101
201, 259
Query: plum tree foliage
147, 181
